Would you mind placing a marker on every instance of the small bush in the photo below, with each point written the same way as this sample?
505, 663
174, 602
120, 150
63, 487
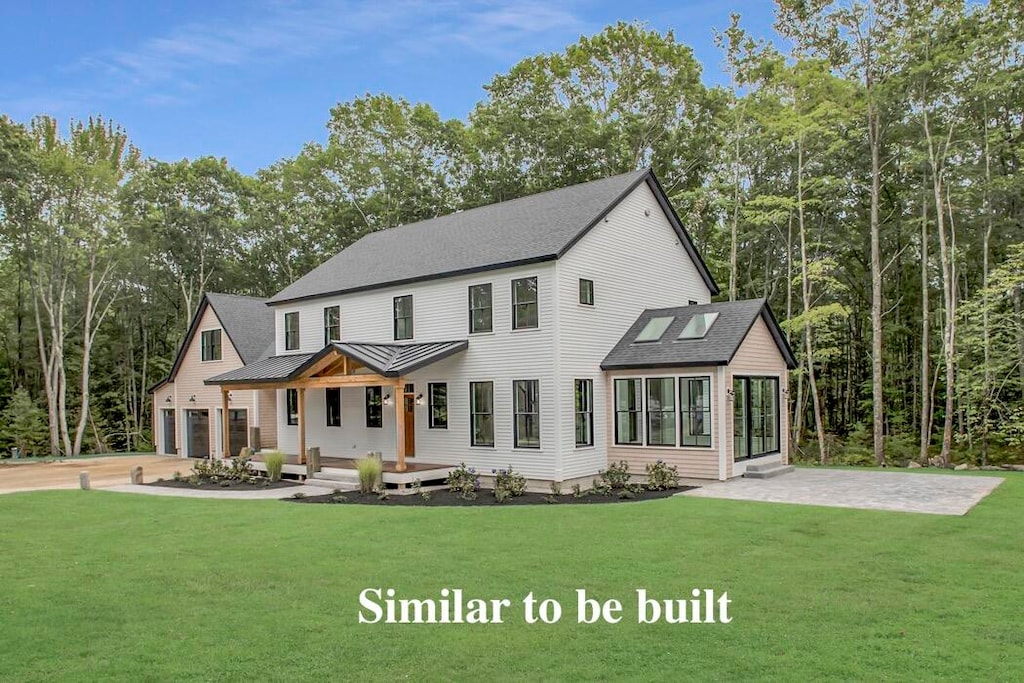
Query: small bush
463, 481
508, 483
577, 492
382, 492
626, 494
601, 487
556, 488
176, 476
617, 475
551, 499
635, 489
369, 469
275, 465
661, 476
241, 470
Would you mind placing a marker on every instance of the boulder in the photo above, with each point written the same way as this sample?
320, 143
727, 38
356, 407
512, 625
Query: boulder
961, 467
914, 465
135, 475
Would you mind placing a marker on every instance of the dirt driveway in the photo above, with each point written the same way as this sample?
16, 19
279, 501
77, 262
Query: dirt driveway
107, 471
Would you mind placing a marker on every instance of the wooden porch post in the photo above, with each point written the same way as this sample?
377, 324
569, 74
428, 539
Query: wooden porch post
302, 424
399, 392
225, 451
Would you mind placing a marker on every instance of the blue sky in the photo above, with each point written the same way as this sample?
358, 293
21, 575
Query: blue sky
254, 81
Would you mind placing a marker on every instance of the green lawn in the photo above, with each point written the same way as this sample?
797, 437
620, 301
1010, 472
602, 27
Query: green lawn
104, 585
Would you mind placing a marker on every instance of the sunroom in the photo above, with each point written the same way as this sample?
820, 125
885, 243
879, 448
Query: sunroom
700, 387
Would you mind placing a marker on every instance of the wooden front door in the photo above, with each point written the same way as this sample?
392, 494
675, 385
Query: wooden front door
409, 403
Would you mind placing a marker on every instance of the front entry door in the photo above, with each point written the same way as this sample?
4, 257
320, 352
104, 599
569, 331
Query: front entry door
410, 425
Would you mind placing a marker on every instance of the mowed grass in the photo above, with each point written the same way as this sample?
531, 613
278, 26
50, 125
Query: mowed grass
115, 586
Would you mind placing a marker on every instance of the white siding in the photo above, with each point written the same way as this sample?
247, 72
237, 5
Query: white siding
440, 313
636, 262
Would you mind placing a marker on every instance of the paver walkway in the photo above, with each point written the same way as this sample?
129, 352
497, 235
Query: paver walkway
939, 494
259, 494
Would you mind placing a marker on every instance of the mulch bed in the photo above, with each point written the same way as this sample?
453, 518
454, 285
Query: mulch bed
224, 485
485, 497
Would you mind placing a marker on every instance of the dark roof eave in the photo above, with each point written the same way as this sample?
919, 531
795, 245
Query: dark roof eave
414, 280
663, 364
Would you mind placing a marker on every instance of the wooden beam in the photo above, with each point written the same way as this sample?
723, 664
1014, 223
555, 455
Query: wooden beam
400, 427
320, 364
225, 451
302, 425
347, 381
332, 369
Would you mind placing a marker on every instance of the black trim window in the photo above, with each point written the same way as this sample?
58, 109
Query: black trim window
374, 407
403, 317
695, 411
755, 416
291, 331
586, 292
332, 324
661, 411
332, 396
524, 303
437, 403
481, 413
292, 406
526, 399
210, 344
628, 412
481, 310
583, 389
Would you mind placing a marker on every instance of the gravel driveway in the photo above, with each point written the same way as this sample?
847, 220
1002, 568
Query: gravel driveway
938, 494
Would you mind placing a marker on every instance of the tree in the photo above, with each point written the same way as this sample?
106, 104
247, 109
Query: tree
24, 424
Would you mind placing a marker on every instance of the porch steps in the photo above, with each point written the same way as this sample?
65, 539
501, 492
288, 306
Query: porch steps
767, 470
331, 484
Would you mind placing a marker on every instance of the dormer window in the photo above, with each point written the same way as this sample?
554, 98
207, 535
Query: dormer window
698, 326
210, 344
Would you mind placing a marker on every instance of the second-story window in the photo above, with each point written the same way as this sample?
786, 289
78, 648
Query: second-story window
403, 317
332, 324
291, 331
210, 344
586, 292
480, 309
524, 303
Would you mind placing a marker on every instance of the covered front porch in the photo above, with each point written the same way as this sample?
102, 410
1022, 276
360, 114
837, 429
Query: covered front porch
343, 366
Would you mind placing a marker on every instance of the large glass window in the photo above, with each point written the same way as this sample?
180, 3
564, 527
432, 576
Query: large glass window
695, 411
480, 309
755, 416
292, 403
403, 317
661, 411
437, 399
332, 324
291, 331
628, 411
374, 407
584, 404
527, 413
524, 303
333, 399
210, 344
481, 412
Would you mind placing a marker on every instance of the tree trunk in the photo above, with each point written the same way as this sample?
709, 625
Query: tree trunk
877, 391
926, 397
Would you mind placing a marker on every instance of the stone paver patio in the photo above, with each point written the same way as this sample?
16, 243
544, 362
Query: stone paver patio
938, 494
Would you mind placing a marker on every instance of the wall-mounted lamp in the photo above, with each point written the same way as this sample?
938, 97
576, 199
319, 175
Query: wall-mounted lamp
387, 399
730, 393
192, 398
785, 391
229, 397
167, 400
419, 399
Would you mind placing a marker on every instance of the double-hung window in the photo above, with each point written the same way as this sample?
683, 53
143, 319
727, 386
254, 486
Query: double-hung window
210, 344
403, 317
661, 411
481, 318
694, 411
583, 390
291, 331
629, 412
524, 303
332, 324
526, 399
481, 413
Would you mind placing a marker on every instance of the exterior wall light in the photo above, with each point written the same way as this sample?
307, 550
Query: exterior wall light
419, 399
387, 399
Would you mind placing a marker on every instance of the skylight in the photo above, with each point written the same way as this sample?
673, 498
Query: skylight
654, 328
698, 326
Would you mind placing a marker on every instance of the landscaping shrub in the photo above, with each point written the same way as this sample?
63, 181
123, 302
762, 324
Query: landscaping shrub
275, 465
369, 469
508, 483
617, 475
241, 470
661, 476
463, 481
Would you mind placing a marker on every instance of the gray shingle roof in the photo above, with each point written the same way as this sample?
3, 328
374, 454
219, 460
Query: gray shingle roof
389, 360
717, 347
531, 229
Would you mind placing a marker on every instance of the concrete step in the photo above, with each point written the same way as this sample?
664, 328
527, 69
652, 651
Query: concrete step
338, 475
331, 484
767, 470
